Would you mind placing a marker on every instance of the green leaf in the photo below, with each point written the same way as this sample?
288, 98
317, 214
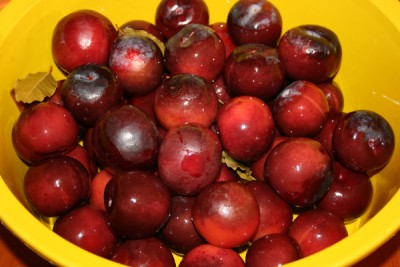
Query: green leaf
35, 87
242, 170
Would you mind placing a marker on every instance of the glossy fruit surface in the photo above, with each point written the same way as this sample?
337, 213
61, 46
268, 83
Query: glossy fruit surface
258, 167
334, 96
189, 159
138, 62
172, 15
56, 185
227, 174
81, 37
179, 233
300, 109
125, 139
34, 138
317, 229
299, 170
143, 252
246, 128
185, 99
325, 135
272, 250
99, 183
226, 214
211, 256
145, 103
310, 52
363, 141
88, 228
349, 195
220, 89
82, 155
137, 204
89, 91
221, 28
275, 213
254, 21
254, 70
195, 49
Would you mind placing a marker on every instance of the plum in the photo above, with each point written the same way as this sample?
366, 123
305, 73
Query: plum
246, 128
143, 252
300, 170
55, 185
211, 256
310, 52
255, 21
44, 130
315, 230
363, 141
272, 250
89, 91
88, 228
189, 159
82, 37
196, 49
137, 204
226, 214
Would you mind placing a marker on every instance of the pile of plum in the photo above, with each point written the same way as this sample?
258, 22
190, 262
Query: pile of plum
197, 139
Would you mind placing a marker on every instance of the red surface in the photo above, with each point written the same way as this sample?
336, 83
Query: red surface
14, 253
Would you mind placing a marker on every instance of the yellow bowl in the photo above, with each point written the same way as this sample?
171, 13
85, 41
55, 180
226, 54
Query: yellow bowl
369, 77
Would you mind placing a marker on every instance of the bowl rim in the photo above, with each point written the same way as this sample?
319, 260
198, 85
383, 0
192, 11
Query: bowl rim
16, 217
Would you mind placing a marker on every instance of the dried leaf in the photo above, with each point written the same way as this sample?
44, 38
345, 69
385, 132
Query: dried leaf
242, 170
133, 32
35, 87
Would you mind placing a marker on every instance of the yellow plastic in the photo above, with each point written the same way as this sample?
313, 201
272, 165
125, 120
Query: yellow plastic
369, 76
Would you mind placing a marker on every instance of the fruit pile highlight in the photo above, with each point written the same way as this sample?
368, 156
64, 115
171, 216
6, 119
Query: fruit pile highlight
188, 143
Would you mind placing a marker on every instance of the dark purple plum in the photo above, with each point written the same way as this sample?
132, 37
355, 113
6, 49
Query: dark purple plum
272, 250
55, 185
254, 70
310, 52
172, 15
124, 138
349, 195
137, 204
143, 252
89, 91
88, 228
138, 62
44, 130
179, 233
363, 141
255, 21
